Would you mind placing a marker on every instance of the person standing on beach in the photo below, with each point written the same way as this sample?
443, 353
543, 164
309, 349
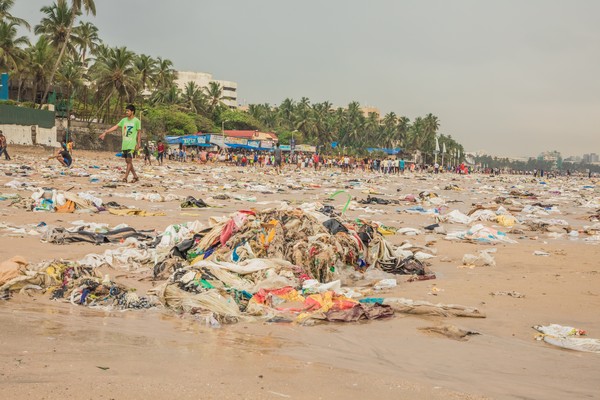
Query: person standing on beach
70, 146
131, 133
147, 158
277, 159
161, 152
3, 145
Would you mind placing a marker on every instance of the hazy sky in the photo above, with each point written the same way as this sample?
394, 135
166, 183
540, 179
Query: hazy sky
513, 77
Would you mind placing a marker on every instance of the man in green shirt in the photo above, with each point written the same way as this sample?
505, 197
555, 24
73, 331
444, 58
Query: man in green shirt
131, 128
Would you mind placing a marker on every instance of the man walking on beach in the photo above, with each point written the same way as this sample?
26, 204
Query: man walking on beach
277, 158
3, 145
131, 133
161, 152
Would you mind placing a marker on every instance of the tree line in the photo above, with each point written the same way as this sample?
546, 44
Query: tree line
68, 64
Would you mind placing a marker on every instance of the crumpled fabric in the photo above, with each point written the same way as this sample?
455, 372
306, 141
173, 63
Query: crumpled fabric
568, 337
192, 202
360, 312
12, 268
63, 236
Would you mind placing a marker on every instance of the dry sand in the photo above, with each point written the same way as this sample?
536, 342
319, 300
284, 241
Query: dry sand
54, 350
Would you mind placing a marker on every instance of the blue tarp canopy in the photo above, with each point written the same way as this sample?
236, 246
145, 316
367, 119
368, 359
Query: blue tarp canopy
391, 152
246, 147
189, 140
239, 146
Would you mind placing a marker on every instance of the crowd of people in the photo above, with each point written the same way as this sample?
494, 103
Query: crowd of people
297, 160
132, 147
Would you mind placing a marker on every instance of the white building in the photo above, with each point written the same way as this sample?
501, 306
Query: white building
202, 79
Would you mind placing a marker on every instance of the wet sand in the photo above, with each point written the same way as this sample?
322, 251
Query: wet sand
55, 350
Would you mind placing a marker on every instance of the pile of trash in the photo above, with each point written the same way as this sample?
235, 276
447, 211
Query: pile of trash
73, 282
52, 200
293, 264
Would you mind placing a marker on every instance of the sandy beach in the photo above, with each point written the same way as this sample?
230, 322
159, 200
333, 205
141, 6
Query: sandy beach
52, 349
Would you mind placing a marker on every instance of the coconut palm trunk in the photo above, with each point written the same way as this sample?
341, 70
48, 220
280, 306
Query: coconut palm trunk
56, 64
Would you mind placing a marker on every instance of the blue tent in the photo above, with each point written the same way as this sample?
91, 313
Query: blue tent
189, 140
391, 152
240, 146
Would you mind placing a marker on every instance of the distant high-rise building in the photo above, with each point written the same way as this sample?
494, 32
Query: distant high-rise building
590, 158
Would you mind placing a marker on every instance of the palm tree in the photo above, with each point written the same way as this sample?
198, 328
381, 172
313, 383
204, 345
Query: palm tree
354, 125
6, 16
323, 121
116, 75
11, 51
402, 130
373, 132
269, 118
431, 125
55, 25
146, 68
101, 51
76, 7
303, 119
21, 73
416, 135
86, 36
165, 74
71, 77
286, 113
214, 92
193, 98
40, 59
389, 134
166, 96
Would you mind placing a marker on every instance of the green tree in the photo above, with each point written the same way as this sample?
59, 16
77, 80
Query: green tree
323, 121
193, 98
11, 46
165, 74
286, 114
6, 16
237, 119
402, 130
373, 133
166, 96
77, 6
304, 119
115, 75
146, 67
161, 121
214, 94
86, 37
71, 77
40, 59
354, 125
54, 26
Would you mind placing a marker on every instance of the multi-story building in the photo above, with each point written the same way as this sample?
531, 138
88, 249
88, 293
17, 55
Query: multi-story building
371, 110
550, 156
203, 79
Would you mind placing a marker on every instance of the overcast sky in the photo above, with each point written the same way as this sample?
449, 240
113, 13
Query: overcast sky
513, 77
